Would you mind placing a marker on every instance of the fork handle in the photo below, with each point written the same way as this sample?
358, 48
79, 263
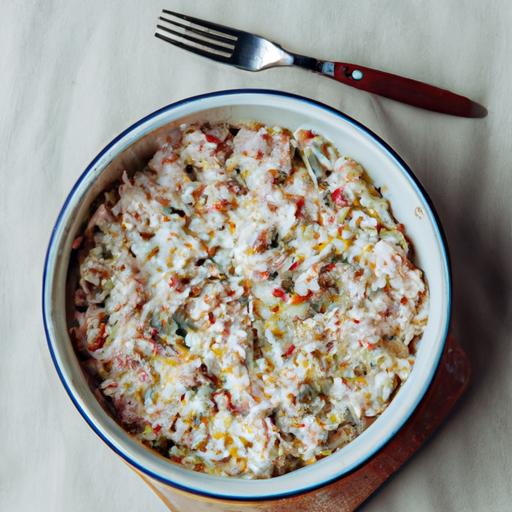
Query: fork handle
401, 89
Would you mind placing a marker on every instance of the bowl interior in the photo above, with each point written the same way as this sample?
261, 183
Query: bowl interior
131, 151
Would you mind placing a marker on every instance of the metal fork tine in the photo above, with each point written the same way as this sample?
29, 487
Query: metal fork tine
202, 42
190, 28
193, 49
208, 24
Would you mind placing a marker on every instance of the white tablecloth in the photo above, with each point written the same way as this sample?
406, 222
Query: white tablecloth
73, 74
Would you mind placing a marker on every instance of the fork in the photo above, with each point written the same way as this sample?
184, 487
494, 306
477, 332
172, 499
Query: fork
254, 53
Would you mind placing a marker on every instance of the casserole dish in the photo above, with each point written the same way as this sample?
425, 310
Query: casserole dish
130, 151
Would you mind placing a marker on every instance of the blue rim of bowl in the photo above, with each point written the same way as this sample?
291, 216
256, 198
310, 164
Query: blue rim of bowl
414, 182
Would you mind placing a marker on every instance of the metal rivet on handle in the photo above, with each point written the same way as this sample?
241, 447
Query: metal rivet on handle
357, 74
328, 68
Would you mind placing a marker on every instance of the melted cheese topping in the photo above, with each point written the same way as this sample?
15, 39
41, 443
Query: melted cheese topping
246, 302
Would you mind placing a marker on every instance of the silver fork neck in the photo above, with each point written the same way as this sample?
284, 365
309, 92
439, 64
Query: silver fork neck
306, 62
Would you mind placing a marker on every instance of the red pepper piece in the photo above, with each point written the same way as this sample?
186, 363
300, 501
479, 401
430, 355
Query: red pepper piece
294, 265
213, 139
299, 208
308, 134
289, 350
339, 198
279, 292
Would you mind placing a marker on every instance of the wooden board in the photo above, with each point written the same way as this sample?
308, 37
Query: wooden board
349, 492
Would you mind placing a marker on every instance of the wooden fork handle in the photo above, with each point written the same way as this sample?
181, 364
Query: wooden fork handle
402, 89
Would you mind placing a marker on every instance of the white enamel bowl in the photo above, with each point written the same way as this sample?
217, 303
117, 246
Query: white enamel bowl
131, 150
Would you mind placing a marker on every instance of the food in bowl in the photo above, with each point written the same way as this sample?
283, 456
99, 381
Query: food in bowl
247, 304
